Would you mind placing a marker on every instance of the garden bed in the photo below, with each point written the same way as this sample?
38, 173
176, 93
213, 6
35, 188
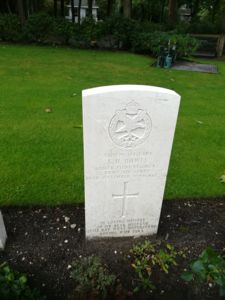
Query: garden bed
43, 242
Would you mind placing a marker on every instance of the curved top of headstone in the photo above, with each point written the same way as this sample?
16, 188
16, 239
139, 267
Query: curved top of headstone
127, 87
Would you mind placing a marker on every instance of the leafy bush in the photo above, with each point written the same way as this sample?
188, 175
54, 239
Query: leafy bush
204, 27
154, 42
92, 277
44, 29
39, 28
114, 33
146, 258
150, 27
14, 285
122, 29
142, 43
87, 34
10, 28
208, 268
62, 31
185, 44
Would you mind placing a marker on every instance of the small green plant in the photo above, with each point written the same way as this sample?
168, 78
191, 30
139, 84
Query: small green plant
92, 277
209, 268
146, 258
14, 285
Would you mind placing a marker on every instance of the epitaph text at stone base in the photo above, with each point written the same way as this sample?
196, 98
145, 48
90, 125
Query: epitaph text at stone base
128, 136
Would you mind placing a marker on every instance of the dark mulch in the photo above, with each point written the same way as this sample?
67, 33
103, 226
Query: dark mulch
42, 244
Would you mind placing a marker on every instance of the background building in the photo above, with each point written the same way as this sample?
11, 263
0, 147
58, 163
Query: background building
83, 10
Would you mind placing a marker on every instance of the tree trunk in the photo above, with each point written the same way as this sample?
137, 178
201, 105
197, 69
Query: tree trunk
21, 12
55, 8
223, 22
172, 11
215, 9
8, 7
62, 2
195, 9
110, 7
127, 4
90, 5
79, 9
31, 7
72, 10
35, 5
220, 45
163, 2
27, 8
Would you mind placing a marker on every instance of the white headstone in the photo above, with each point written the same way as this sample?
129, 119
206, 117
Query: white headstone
3, 235
128, 136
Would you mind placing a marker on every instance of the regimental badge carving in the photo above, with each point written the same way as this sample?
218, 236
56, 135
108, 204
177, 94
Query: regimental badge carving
130, 126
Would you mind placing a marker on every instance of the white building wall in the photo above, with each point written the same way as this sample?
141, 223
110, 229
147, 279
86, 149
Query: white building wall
83, 13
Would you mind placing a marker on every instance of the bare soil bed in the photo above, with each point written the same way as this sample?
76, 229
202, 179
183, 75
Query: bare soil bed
43, 242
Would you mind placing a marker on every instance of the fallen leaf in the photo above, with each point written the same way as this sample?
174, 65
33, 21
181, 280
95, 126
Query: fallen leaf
222, 178
48, 110
199, 122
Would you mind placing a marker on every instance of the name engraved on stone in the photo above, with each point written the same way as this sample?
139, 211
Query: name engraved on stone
124, 197
130, 126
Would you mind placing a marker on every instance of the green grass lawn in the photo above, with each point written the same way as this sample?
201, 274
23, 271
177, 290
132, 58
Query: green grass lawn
41, 154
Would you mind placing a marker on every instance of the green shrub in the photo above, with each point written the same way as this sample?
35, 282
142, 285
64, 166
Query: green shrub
14, 285
10, 28
62, 31
125, 32
122, 30
203, 27
39, 28
86, 34
182, 27
117, 29
114, 33
44, 29
146, 258
150, 27
185, 44
208, 268
154, 42
88, 31
92, 277
142, 42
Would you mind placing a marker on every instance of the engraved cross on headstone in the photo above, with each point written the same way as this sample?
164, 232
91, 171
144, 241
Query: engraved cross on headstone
124, 197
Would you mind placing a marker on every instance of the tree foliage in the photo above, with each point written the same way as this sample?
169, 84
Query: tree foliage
156, 11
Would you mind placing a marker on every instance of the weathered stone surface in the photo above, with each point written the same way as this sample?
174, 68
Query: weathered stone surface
3, 235
128, 135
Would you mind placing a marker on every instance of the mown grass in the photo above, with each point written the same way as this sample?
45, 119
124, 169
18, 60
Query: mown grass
41, 155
